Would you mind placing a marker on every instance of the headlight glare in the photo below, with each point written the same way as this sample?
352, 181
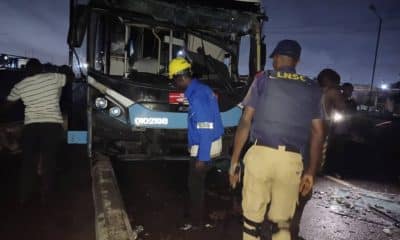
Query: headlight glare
337, 117
115, 111
101, 103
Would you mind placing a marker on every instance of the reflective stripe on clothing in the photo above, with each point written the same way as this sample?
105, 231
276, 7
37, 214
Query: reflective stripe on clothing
216, 149
205, 125
272, 176
41, 96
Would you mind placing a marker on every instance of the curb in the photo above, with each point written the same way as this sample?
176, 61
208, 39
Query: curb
111, 219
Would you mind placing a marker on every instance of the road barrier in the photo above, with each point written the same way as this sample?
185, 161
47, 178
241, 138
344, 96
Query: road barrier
111, 219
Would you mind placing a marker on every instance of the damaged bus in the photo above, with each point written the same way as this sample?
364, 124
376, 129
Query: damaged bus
133, 110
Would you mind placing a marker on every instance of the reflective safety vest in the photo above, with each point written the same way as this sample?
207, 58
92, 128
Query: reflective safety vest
287, 105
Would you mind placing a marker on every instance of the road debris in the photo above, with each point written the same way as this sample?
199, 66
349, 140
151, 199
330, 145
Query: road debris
186, 227
138, 229
208, 226
387, 231
367, 206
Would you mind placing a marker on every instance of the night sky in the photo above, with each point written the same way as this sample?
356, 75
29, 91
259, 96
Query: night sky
339, 34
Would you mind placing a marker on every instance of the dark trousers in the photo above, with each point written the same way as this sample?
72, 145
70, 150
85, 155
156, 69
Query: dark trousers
295, 224
196, 185
39, 141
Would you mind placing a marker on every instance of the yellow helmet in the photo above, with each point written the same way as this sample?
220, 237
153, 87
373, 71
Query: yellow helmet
177, 65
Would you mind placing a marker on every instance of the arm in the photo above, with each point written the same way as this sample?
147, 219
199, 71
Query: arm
243, 129
204, 122
316, 147
242, 133
205, 145
241, 136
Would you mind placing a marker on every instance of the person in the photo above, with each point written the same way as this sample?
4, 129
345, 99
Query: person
40, 92
205, 132
332, 101
283, 111
332, 98
351, 104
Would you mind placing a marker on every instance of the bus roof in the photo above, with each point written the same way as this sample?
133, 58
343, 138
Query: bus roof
235, 16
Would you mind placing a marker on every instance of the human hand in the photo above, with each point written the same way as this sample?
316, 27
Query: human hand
306, 184
234, 174
234, 180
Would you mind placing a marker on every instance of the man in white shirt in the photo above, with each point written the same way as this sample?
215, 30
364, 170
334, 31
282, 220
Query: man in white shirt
40, 92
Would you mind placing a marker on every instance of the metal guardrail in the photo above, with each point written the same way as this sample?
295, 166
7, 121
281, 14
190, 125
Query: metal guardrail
111, 219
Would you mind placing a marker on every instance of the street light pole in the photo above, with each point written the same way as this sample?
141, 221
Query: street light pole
373, 9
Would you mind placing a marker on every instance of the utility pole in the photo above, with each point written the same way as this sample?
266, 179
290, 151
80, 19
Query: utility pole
373, 9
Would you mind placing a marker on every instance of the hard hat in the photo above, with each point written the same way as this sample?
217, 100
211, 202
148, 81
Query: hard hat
177, 65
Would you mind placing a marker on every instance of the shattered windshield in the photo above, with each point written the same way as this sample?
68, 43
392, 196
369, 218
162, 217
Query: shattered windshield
149, 50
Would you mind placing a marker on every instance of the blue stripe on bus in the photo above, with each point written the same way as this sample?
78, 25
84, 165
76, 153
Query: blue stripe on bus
77, 137
140, 116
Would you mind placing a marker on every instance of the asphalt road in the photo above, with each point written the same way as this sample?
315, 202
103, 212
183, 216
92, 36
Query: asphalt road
154, 194
328, 216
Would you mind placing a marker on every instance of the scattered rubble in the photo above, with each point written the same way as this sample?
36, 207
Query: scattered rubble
371, 207
138, 229
186, 227
208, 226
387, 231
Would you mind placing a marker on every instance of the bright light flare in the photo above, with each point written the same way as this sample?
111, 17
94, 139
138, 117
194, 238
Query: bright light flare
84, 65
338, 117
384, 86
181, 53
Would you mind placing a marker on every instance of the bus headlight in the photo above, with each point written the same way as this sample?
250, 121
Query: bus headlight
101, 103
115, 111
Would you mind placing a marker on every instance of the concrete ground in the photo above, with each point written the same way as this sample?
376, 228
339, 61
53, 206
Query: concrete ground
154, 193
69, 216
